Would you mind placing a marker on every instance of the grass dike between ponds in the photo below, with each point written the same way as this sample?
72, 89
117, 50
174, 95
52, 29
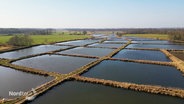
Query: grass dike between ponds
144, 61
179, 64
137, 87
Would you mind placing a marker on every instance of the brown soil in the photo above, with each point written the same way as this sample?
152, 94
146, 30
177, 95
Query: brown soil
5, 48
179, 55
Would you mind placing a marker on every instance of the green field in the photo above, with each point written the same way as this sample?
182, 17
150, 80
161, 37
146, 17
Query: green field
4, 39
152, 36
45, 39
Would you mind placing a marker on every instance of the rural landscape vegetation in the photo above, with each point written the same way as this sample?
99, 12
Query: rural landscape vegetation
106, 65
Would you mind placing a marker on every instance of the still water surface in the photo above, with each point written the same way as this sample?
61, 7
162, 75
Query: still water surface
31, 51
137, 73
107, 45
55, 63
88, 51
156, 46
13, 80
142, 55
73, 92
78, 42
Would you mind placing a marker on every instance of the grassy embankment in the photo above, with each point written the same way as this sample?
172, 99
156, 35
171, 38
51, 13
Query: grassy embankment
151, 36
43, 39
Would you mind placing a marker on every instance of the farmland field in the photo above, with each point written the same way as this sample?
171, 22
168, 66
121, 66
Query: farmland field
45, 39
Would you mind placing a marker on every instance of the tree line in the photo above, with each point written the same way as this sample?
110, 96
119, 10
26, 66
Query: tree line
176, 35
12, 31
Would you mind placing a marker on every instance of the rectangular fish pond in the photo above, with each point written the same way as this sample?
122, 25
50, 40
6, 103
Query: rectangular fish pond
139, 39
154, 42
116, 39
137, 73
179, 47
78, 42
31, 51
73, 92
54, 63
88, 51
107, 45
115, 42
13, 80
142, 55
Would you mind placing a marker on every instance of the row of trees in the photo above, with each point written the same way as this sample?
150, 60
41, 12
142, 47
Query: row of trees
79, 33
177, 35
41, 32
11, 31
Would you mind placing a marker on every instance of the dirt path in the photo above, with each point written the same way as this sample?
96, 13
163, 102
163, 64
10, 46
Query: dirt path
5, 47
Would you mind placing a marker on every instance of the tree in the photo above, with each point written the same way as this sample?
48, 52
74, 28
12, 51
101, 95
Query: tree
176, 35
120, 34
20, 40
84, 32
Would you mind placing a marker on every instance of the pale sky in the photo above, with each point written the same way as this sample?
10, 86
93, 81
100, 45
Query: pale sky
91, 13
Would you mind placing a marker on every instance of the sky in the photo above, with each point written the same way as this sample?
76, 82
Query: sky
91, 13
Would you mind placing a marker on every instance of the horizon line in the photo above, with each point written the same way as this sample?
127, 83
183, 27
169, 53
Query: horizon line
92, 28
